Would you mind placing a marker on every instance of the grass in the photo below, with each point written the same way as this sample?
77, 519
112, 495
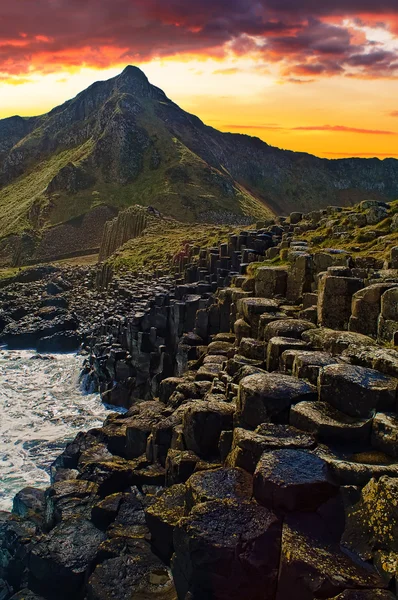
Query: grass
354, 239
162, 242
182, 186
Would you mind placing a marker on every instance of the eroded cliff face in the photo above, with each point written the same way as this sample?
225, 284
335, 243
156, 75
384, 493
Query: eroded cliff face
128, 225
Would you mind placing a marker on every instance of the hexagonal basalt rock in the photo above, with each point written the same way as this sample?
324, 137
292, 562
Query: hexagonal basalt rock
313, 564
292, 480
276, 347
329, 424
385, 433
219, 484
162, 516
202, 426
357, 391
60, 562
129, 577
290, 328
227, 550
248, 446
267, 397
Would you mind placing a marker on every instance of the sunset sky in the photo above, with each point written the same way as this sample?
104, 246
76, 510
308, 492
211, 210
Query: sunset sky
319, 76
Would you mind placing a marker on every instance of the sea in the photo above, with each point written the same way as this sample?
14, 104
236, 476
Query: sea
42, 408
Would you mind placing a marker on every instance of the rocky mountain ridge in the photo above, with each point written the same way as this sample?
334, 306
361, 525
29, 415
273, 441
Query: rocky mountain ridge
123, 142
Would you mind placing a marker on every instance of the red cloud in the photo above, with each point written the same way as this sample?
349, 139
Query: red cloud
308, 39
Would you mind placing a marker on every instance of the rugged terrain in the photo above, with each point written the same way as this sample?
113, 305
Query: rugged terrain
123, 142
258, 455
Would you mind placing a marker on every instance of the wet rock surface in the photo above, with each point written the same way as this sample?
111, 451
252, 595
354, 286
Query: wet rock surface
256, 457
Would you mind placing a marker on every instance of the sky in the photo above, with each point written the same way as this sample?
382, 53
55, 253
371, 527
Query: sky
318, 76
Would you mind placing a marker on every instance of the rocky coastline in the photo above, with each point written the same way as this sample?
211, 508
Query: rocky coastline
258, 455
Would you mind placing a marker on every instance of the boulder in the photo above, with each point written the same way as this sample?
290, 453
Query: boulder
334, 300
162, 517
129, 577
219, 484
227, 550
69, 499
328, 424
366, 306
357, 391
277, 346
372, 523
248, 446
202, 426
180, 464
313, 565
292, 479
267, 397
60, 561
271, 282
336, 342
307, 364
385, 433
290, 328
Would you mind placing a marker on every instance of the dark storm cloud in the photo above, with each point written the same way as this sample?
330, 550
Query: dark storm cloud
307, 38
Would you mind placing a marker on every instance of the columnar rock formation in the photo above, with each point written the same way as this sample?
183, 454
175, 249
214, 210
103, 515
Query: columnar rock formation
129, 223
258, 455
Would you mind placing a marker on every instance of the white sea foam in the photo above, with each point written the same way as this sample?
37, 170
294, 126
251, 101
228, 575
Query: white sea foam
41, 409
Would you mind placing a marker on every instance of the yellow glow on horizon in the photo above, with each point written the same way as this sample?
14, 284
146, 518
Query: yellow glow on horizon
236, 94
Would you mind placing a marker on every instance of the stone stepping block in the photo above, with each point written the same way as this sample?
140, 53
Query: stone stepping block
180, 464
385, 433
208, 372
225, 549
336, 342
61, 561
168, 386
203, 423
162, 516
253, 308
130, 576
313, 564
329, 424
267, 397
292, 480
241, 329
307, 364
253, 349
357, 468
277, 346
220, 348
67, 499
291, 328
267, 318
219, 484
357, 391
271, 282
248, 446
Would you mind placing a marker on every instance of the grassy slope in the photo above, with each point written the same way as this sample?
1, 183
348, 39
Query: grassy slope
17, 198
162, 241
179, 199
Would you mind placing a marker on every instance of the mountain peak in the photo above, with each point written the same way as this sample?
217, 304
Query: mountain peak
133, 81
132, 72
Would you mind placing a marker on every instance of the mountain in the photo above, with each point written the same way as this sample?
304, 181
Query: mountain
123, 142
